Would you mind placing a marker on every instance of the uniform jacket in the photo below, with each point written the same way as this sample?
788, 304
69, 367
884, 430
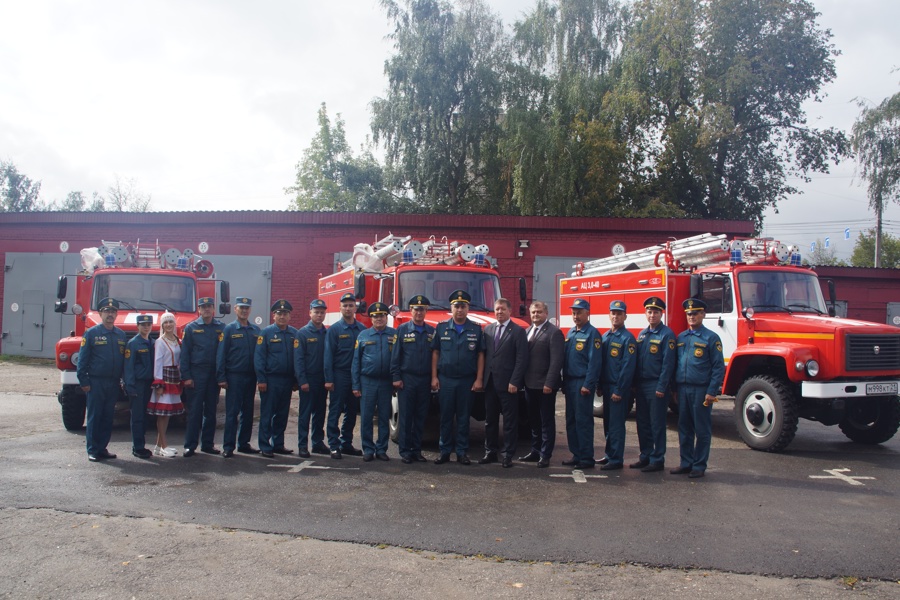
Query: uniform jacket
458, 351
275, 352
412, 352
340, 342
584, 356
372, 355
656, 356
138, 363
236, 350
619, 361
309, 355
700, 359
506, 359
102, 354
545, 357
199, 345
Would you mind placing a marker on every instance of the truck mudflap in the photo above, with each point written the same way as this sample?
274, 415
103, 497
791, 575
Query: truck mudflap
849, 389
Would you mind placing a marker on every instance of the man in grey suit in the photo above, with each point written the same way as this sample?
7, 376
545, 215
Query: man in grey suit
546, 349
505, 361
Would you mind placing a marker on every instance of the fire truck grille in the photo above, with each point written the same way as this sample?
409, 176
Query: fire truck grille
873, 352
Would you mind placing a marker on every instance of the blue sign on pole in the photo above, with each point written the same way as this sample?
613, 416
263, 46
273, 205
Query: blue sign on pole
827, 242
847, 234
812, 247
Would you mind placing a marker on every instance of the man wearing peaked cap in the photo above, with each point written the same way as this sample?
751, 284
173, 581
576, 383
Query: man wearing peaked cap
652, 381
138, 380
460, 296
309, 370
340, 342
371, 376
100, 365
377, 308
274, 364
617, 376
699, 374
235, 373
411, 375
199, 348
582, 362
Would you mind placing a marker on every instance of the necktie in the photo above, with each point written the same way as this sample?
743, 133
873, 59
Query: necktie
533, 333
499, 333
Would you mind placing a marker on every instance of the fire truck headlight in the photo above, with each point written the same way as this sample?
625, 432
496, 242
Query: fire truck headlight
394, 310
63, 356
812, 368
75, 359
77, 310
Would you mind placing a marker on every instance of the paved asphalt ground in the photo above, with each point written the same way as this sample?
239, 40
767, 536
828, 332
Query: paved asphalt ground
792, 525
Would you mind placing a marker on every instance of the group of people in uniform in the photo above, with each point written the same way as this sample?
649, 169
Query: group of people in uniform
347, 370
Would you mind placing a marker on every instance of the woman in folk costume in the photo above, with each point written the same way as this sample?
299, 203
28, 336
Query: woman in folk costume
166, 399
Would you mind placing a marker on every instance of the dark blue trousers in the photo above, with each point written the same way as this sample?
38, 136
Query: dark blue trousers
614, 414
203, 399
579, 421
239, 399
651, 422
375, 401
542, 420
101, 405
694, 426
139, 411
342, 401
274, 406
413, 401
455, 398
311, 419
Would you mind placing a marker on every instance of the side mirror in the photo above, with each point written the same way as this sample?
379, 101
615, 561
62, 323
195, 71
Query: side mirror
359, 289
696, 286
224, 308
362, 307
62, 286
521, 310
225, 294
832, 305
61, 306
522, 290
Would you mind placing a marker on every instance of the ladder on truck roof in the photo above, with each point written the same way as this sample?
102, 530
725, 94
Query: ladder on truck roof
705, 248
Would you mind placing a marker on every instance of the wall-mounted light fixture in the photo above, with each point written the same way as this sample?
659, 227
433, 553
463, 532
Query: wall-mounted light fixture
524, 243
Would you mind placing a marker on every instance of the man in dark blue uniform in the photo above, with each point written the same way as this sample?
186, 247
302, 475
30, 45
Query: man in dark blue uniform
617, 375
309, 369
581, 374
138, 379
274, 364
411, 371
656, 365
200, 344
457, 370
101, 361
698, 376
340, 342
371, 376
236, 375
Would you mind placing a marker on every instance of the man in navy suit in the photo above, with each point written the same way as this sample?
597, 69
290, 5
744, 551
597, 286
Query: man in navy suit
505, 361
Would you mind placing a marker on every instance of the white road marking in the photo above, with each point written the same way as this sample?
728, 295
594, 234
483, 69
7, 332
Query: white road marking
839, 474
578, 476
308, 464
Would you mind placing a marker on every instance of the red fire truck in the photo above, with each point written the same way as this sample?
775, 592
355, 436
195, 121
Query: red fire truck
145, 279
394, 269
787, 356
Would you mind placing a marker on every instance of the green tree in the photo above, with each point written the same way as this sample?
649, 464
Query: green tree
439, 122
18, 193
713, 93
122, 196
876, 142
864, 250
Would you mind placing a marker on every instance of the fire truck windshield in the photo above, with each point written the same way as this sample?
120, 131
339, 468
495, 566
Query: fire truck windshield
146, 291
439, 284
771, 290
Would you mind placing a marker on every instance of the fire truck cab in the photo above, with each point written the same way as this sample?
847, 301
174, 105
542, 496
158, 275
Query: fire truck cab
787, 356
145, 280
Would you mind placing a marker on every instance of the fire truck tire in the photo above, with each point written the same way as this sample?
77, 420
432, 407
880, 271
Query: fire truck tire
394, 423
73, 409
872, 421
766, 413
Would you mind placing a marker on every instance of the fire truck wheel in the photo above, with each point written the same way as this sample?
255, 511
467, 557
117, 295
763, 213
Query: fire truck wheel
73, 408
765, 413
394, 423
872, 421
598, 406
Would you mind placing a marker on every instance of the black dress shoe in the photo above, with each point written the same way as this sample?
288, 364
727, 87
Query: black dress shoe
336, 454
587, 464
570, 463
487, 459
443, 458
94, 457
382, 456
303, 453
680, 470
321, 449
189, 452
639, 464
282, 450
267, 454
611, 467
506, 462
696, 474
543, 463
463, 459
351, 451
406, 460
603, 461
210, 450
530, 457
141, 453
105, 454
228, 454
248, 449
420, 458
653, 468
368, 457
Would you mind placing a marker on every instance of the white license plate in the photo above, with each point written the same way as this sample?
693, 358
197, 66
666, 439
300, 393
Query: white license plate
881, 389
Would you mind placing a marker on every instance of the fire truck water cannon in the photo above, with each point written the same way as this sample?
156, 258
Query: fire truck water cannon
111, 255
393, 250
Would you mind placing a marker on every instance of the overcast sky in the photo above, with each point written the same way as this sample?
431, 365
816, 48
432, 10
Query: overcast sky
209, 104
